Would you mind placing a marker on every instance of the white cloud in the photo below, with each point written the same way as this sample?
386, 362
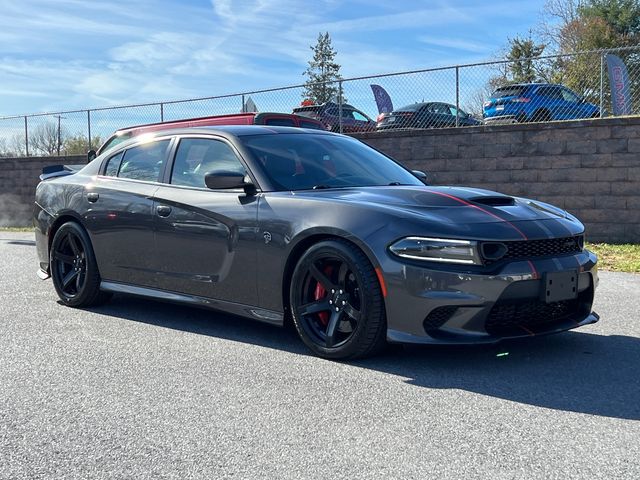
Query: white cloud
74, 53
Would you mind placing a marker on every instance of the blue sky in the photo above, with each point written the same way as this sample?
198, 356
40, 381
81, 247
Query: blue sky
68, 54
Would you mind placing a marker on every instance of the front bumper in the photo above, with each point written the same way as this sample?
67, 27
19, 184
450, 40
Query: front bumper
428, 305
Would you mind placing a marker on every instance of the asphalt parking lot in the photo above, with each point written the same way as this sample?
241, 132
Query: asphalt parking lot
138, 389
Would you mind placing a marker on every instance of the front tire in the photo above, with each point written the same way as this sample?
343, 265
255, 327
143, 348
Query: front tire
74, 269
336, 302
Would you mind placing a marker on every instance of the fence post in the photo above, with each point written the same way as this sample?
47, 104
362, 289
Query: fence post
601, 83
89, 126
340, 106
59, 136
26, 137
242, 109
457, 96
161, 112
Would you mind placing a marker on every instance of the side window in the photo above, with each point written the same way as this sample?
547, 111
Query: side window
360, 117
569, 96
332, 111
144, 161
551, 92
198, 156
441, 108
113, 165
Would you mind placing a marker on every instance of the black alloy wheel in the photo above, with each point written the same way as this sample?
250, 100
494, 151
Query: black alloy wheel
541, 116
73, 268
337, 303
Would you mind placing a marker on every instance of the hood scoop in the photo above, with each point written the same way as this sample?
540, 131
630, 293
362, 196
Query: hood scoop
494, 201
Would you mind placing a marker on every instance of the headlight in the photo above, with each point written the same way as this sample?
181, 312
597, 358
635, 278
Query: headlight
437, 250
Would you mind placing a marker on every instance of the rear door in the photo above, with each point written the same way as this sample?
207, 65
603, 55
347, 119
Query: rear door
120, 218
551, 101
205, 238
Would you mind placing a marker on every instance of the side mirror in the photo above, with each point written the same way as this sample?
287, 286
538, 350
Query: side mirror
225, 180
91, 154
423, 177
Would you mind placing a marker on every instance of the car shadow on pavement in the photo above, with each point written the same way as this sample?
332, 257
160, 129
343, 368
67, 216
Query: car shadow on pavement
572, 371
30, 243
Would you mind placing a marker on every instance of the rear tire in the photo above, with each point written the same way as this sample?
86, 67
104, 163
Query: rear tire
74, 269
541, 116
336, 302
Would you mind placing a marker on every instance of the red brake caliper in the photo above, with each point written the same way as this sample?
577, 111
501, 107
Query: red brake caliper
320, 293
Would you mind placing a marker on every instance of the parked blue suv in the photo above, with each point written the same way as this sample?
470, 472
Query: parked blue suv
536, 102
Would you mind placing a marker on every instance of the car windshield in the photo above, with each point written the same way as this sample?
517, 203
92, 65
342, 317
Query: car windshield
512, 91
308, 161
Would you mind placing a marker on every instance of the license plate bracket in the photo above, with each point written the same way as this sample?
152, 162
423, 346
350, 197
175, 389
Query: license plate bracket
560, 286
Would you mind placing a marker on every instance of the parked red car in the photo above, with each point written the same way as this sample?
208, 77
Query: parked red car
249, 118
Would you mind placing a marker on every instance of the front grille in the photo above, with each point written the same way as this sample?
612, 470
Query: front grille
509, 318
438, 317
536, 248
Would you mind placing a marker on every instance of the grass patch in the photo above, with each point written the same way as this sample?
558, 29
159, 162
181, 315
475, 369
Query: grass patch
618, 258
16, 229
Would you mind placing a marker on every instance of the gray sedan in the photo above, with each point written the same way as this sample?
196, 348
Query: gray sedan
280, 224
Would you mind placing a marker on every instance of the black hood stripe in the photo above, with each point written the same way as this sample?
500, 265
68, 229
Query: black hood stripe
464, 202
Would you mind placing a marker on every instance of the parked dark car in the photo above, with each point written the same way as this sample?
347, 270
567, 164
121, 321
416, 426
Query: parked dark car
248, 118
353, 120
273, 223
536, 102
426, 115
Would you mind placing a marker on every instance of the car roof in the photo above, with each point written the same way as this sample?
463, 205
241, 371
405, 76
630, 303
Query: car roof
231, 131
244, 130
533, 84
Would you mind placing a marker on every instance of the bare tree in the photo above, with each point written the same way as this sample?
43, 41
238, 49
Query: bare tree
555, 16
47, 138
17, 145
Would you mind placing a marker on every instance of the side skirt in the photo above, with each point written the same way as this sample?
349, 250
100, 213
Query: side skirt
268, 316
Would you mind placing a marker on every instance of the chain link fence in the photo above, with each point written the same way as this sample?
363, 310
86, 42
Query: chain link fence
572, 86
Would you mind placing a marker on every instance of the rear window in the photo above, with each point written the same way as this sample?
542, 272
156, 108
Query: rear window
513, 91
116, 140
414, 107
314, 125
280, 122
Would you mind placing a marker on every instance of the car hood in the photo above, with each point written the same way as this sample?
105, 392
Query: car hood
456, 208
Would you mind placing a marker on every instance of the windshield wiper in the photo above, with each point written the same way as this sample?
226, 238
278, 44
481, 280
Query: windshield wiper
320, 187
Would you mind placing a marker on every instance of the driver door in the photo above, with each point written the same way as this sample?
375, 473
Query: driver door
205, 239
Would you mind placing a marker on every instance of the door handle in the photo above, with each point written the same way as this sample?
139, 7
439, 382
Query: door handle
92, 197
163, 210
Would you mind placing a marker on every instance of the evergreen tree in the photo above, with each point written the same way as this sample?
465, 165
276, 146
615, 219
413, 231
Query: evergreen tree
522, 53
323, 73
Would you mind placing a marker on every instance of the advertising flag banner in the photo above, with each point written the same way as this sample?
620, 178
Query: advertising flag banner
249, 106
620, 85
383, 100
